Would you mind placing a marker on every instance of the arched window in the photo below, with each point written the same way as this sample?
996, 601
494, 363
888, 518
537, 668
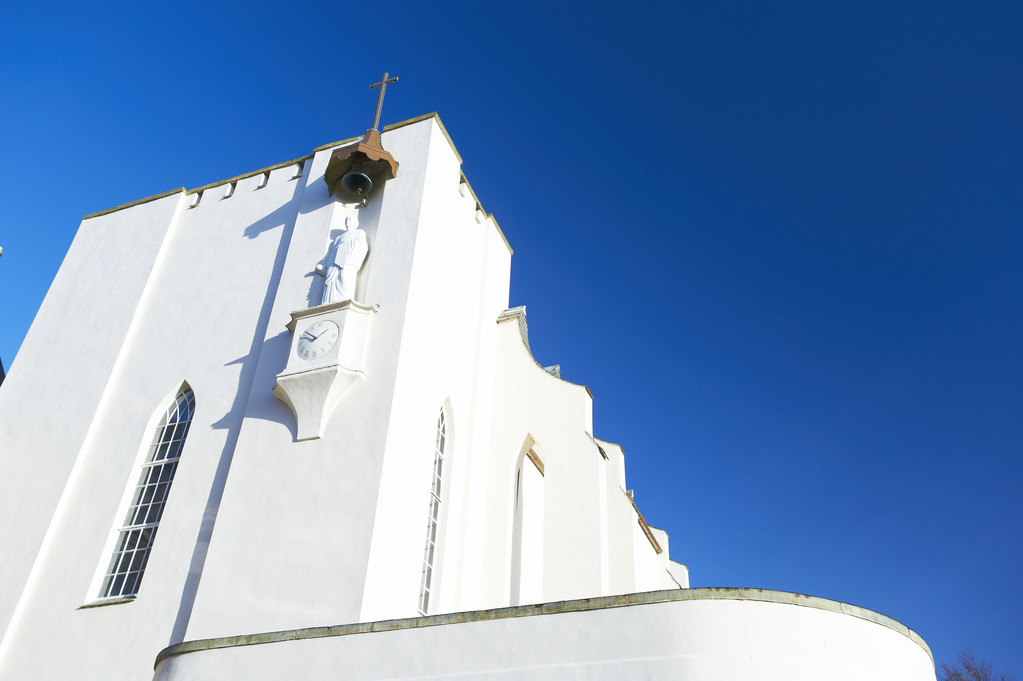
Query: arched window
527, 528
138, 530
433, 518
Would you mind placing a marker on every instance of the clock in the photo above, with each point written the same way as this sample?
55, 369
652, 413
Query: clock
317, 340
329, 343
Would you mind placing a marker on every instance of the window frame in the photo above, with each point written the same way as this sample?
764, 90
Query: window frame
144, 501
441, 454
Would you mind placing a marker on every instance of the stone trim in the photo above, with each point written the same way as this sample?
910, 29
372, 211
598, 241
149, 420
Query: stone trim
532, 455
394, 126
646, 528
581, 605
599, 448
479, 206
608, 442
133, 203
276, 166
107, 601
519, 314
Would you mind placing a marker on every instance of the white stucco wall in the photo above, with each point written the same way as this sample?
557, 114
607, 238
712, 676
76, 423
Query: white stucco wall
259, 531
526, 561
178, 278
593, 544
707, 634
292, 536
333, 529
59, 378
452, 299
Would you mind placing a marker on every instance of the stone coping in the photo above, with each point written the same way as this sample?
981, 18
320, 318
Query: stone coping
519, 315
580, 605
180, 190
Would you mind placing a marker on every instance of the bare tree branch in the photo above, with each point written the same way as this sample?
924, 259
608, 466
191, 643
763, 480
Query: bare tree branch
969, 668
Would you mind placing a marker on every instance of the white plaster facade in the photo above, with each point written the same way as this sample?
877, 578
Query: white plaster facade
267, 532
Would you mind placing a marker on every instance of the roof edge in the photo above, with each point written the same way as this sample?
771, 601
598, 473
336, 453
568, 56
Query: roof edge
394, 126
133, 203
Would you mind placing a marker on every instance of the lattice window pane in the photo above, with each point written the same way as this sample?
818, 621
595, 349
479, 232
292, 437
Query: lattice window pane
433, 515
135, 538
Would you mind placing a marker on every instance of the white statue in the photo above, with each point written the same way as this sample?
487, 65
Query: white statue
348, 252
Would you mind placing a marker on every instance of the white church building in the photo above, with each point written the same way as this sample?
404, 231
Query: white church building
286, 426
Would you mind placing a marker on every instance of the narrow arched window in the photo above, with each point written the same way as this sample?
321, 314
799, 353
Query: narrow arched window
433, 517
527, 528
138, 530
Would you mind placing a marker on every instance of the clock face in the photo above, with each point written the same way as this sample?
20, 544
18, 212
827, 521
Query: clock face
317, 340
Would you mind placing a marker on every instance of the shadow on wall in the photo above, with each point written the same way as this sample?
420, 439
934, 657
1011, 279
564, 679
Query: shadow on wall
284, 216
258, 378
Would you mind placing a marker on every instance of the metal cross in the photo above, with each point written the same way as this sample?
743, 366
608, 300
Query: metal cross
380, 98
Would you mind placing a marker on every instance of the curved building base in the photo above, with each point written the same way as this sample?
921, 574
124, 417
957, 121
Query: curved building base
705, 634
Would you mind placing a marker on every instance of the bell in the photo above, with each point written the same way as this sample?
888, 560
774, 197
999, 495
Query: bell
357, 182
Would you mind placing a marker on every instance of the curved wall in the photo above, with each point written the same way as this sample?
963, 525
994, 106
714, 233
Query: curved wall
706, 634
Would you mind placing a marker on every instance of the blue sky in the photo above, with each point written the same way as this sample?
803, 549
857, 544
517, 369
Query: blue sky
781, 242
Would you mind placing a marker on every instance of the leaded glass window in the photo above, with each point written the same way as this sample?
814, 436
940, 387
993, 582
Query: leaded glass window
138, 530
433, 517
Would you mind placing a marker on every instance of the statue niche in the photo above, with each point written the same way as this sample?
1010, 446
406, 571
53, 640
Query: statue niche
347, 253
